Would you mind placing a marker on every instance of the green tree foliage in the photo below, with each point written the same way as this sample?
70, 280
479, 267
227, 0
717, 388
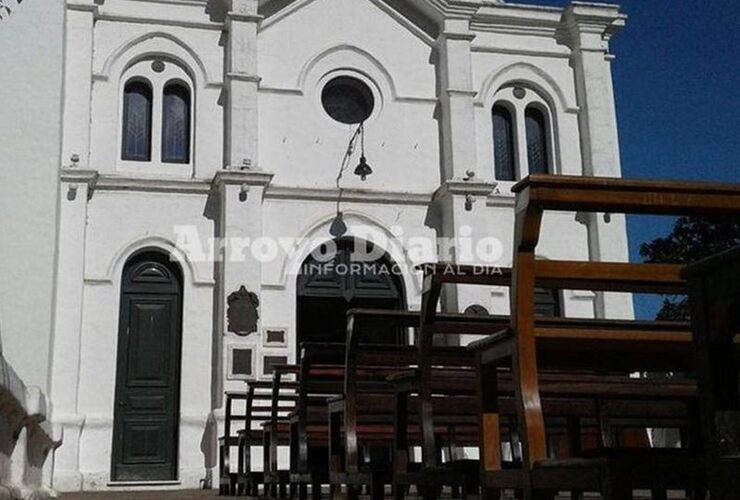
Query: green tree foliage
691, 239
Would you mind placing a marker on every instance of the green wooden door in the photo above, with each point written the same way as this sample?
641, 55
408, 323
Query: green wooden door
148, 372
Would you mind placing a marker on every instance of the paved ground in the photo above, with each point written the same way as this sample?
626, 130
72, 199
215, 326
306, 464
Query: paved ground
143, 495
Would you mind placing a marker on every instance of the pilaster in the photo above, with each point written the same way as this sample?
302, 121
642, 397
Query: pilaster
240, 194
457, 115
78, 56
76, 188
461, 206
241, 83
587, 29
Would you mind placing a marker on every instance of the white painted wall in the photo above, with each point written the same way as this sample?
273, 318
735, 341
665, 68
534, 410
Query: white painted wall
30, 140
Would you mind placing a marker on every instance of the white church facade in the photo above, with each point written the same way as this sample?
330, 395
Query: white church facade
202, 153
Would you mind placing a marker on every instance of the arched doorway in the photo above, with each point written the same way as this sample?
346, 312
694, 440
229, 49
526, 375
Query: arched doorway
328, 289
147, 403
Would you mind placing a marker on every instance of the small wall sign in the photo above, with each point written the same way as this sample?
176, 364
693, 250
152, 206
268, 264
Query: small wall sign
243, 312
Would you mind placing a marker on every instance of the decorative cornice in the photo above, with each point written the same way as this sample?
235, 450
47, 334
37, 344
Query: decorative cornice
455, 35
228, 177
103, 16
463, 92
152, 184
564, 54
348, 195
517, 19
82, 6
584, 18
195, 3
244, 18
243, 77
501, 200
462, 187
72, 175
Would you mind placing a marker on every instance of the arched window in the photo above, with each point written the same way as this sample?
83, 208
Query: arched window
503, 143
538, 155
137, 121
176, 124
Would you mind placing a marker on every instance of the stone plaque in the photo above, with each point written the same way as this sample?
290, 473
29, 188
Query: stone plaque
243, 312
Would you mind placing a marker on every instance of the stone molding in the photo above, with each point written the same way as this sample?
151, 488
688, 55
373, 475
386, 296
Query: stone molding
151, 184
72, 175
243, 77
229, 177
462, 187
347, 195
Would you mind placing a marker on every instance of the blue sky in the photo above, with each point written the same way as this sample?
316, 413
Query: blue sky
677, 86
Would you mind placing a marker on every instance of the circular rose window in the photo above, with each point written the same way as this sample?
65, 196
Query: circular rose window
348, 100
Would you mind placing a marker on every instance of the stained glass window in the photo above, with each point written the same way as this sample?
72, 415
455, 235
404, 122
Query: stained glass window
176, 124
137, 121
503, 143
537, 149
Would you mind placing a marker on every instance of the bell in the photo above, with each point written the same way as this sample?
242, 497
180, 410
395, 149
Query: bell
363, 169
338, 228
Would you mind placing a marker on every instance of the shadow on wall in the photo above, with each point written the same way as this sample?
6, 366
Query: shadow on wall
26, 437
208, 448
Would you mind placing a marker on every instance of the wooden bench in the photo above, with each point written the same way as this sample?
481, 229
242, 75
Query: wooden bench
229, 440
527, 345
714, 292
458, 474
276, 430
366, 413
321, 378
259, 410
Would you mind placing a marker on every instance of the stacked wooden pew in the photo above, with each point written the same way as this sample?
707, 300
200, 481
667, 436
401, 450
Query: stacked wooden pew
528, 347
557, 393
714, 292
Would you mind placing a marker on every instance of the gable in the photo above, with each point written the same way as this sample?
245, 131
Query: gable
304, 29
413, 11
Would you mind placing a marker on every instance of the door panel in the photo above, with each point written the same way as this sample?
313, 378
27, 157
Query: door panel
148, 380
148, 364
325, 296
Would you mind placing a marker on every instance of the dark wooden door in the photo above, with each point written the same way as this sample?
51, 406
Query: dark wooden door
327, 290
145, 429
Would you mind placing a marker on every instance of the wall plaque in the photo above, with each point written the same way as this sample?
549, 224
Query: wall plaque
243, 312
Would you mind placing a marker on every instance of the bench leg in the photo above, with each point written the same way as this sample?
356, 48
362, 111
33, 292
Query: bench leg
316, 491
659, 493
490, 494
543, 495
335, 492
302, 491
616, 488
377, 491
353, 492
430, 492
400, 491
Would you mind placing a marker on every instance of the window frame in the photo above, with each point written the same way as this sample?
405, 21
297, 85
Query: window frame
174, 72
514, 153
124, 119
518, 106
547, 133
177, 83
